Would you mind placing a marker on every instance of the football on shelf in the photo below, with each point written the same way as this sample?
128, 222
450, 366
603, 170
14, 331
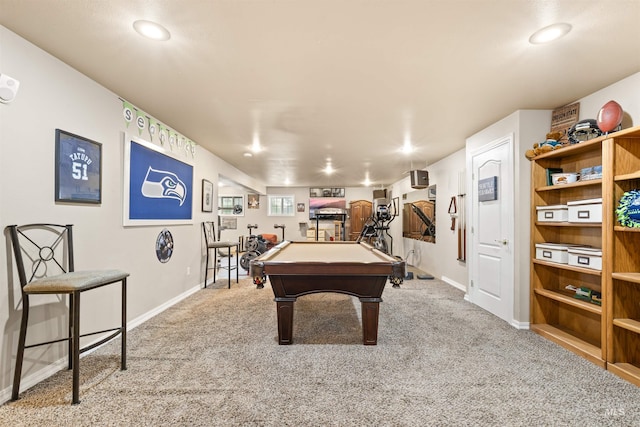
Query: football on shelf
609, 116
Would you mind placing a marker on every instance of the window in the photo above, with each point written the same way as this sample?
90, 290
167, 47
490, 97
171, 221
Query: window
231, 205
281, 205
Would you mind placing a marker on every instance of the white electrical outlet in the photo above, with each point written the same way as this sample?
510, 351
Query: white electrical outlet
188, 271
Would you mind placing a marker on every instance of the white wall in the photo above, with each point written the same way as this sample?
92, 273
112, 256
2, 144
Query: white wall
440, 258
53, 95
625, 92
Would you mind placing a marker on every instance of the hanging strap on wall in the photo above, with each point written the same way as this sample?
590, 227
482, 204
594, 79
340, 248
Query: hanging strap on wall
453, 210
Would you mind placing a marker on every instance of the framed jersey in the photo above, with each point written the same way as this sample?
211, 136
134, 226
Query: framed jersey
78, 169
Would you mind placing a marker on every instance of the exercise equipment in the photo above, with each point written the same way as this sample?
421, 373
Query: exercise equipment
430, 227
376, 232
256, 245
376, 229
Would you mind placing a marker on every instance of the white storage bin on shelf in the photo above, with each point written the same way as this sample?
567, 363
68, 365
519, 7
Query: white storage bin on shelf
580, 256
554, 213
554, 252
589, 210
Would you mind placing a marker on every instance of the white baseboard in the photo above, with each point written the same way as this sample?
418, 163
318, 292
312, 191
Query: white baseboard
61, 364
159, 309
520, 325
455, 284
33, 379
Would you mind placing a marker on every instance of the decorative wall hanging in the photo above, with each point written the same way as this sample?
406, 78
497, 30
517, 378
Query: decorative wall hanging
78, 169
164, 246
158, 188
127, 112
253, 201
326, 192
141, 122
227, 223
165, 135
207, 196
562, 119
488, 189
453, 211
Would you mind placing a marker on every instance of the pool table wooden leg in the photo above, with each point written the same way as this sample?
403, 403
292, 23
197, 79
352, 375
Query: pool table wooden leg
285, 320
370, 311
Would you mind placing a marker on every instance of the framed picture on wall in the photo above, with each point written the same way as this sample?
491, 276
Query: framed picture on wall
158, 187
78, 169
207, 196
253, 201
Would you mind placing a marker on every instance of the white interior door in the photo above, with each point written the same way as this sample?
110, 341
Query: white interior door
492, 264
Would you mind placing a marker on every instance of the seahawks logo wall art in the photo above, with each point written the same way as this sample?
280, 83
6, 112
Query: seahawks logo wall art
160, 184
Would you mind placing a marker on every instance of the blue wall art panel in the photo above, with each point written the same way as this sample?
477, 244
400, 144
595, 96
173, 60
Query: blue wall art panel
159, 187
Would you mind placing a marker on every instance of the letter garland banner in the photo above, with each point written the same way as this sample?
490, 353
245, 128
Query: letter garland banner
143, 121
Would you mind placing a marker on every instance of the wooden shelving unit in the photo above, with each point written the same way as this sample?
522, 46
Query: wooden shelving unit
623, 284
607, 335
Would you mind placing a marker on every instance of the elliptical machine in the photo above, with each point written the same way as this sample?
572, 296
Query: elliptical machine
376, 228
376, 232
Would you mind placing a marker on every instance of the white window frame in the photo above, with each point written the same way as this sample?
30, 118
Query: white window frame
291, 202
237, 200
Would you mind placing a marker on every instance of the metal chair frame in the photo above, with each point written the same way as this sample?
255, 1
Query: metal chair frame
68, 282
209, 230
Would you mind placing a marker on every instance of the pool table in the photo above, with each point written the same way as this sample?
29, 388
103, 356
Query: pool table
352, 268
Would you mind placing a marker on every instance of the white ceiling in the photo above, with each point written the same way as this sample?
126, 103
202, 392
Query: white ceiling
349, 80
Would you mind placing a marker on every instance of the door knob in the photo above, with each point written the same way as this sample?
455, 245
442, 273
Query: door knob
503, 241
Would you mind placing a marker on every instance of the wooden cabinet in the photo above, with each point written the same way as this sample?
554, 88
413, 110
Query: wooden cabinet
607, 334
359, 212
412, 226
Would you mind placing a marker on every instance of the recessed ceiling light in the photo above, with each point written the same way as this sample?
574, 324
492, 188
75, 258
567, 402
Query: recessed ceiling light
247, 154
328, 169
550, 33
152, 30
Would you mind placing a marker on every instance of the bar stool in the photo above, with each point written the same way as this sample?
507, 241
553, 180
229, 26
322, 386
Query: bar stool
208, 228
48, 257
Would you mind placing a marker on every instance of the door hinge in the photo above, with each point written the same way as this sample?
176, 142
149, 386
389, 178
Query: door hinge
472, 283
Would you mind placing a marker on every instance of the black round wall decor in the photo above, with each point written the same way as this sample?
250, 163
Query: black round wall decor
164, 246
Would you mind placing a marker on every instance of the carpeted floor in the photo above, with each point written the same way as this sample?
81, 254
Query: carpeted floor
214, 360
